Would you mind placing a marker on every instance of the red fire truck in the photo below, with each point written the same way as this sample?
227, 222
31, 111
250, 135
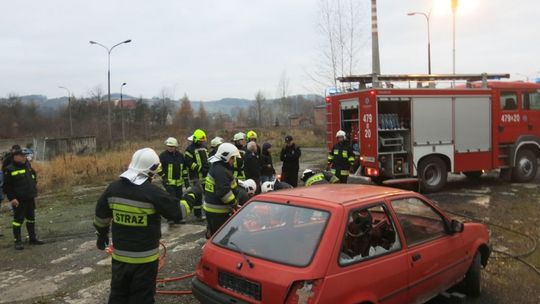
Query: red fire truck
425, 132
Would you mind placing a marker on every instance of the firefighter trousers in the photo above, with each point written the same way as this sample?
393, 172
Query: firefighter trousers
133, 283
215, 221
290, 177
24, 212
197, 205
342, 178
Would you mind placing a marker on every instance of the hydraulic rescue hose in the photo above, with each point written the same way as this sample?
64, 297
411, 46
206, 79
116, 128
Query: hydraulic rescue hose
519, 257
161, 264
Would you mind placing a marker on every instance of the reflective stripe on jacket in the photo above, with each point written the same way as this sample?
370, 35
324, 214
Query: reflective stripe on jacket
219, 189
134, 213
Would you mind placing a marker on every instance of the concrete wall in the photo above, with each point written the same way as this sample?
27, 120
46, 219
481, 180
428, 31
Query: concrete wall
48, 148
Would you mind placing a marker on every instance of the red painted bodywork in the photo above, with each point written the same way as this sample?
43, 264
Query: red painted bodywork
503, 132
390, 278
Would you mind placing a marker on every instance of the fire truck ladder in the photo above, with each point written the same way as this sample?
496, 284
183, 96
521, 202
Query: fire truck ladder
376, 79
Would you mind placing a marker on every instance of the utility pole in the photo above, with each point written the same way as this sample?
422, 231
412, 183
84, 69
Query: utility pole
69, 110
375, 58
122, 111
454, 10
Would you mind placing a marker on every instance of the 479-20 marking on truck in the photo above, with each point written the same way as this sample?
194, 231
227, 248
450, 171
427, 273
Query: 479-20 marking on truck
510, 118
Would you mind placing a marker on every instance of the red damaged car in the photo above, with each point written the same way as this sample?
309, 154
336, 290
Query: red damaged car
340, 244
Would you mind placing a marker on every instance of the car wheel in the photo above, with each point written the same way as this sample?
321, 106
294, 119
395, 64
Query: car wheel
433, 174
473, 174
471, 284
525, 167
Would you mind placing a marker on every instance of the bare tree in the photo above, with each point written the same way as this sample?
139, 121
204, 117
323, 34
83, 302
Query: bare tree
339, 25
283, 98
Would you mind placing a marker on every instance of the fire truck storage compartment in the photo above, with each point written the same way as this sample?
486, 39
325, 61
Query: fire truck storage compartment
349, 120
394, 135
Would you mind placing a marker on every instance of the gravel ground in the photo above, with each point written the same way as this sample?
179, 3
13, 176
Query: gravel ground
68, 269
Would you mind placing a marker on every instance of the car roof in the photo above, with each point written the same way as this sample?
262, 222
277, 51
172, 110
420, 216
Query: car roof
338, 193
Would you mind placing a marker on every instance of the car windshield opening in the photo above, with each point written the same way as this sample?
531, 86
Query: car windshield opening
281, 233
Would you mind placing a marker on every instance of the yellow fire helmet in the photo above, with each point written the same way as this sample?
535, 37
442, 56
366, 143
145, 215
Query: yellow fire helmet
251, 135
199, 136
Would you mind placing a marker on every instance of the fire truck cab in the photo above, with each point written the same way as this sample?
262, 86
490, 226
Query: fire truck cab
426, 132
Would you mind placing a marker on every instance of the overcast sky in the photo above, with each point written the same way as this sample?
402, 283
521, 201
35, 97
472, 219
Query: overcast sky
212, 49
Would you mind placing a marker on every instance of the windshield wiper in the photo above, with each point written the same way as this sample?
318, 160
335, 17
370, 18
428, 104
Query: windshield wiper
239, 266
225, 240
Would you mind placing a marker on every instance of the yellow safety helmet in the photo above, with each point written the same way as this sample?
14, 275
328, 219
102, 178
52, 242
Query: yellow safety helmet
251, 134
199, 135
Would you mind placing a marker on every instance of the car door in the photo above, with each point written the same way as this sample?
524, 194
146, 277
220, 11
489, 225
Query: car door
436, 258
370, 267
531, 112
511, 124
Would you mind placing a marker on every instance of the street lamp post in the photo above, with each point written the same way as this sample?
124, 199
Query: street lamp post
109, 50
454, 10
122, 111
428, 17
69, 111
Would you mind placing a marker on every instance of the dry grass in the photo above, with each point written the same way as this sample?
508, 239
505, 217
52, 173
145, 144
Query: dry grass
65, 172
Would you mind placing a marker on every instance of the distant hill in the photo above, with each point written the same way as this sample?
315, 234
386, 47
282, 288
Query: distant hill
229, 106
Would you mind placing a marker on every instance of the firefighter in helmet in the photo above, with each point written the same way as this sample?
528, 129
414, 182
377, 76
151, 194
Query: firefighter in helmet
239, 140
341, 158
133, 206
214, 145
174, 171
196, 156
310, 178
220, 187
252, 136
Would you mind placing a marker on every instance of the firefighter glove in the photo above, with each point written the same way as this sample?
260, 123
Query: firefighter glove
102, 241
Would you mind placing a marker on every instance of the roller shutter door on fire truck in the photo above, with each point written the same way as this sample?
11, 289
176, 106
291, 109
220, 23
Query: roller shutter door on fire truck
432, 127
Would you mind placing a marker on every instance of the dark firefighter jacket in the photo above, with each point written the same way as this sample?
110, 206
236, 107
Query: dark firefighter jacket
267, 165
290, 156
174, 171
252, 166
135, 212
219, 189
20, 181
196, 157
341, 157
324, 177
238, 166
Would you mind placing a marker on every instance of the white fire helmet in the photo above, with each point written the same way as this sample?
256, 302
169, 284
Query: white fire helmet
249, 185
267, 187
171, 142
239, 136
144, 164
216, 141
225, 152
341, 133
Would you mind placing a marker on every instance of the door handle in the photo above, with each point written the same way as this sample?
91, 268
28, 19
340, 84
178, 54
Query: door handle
416, 257
530, 127
501, 128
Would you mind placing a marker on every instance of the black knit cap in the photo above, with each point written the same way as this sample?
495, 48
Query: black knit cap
288, 138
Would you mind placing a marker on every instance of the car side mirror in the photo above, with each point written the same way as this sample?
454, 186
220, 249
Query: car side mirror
456, 226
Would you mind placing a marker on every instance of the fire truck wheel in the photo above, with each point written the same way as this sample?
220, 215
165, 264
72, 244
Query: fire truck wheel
526, 166
473, 174
433, 174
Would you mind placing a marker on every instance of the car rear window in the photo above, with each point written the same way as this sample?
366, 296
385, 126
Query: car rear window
281, 233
